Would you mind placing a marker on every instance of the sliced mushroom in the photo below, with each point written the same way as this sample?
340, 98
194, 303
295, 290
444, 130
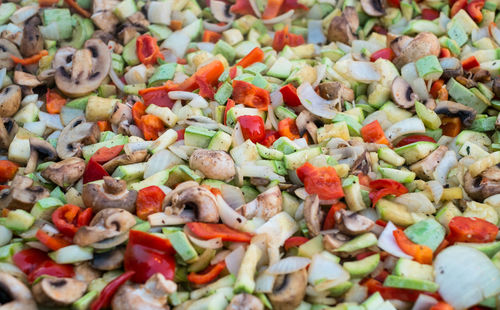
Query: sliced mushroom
313, 214
245, 302
86, 273
452, 67
373, 7
466, 81
362, 164
109, 260
56, 292
112, 194
402, 93
340, 30
351, 16
8, 130
26, 79
430, 104
496, 86
335, 90
10, 100
352, 223
103, 16
65, 173
14, 295
122, 112
426, 167
289, 290
39, 149
497, 122
222, 11
32, 42
139, 20
151, 295
127, 34
105, 225
305, 121
76, 134
424, 44
79, 72
334, 240
399, 44
22, 194
192, 196
216, 165
265, 205
102, 35
8, 48
451, 108
125, 159
484, 185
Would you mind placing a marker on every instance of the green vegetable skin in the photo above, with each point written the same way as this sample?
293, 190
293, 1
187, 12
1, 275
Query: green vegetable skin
318, 79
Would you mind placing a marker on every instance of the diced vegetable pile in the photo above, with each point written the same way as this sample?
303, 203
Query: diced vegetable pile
250, 154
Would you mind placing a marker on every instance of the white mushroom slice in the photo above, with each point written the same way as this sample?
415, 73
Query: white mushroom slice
14, 295
10, 100
7, 49
52, 291
265, 205
76, 134
213, 164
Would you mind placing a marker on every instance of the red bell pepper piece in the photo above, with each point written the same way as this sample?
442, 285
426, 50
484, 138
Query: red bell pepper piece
211, 36
52, 242
8, 170
292, 5
84, 217
29, 259
394, 3
75, 6
441, 306
373, 133
54, 102
363, 255
256, 55
288, 128
290, 97
272, 9
252, 127
471, 229
393, 292
451, 126
210, 72
51, 268
283, 37
329, 222
457, 6
147, 49
105, 154
385, 53
149, 201
270, 137
322, 181
474, 9
233, 72
208, 275
206, 90
429, 14
414, 138
157, 96
210, 231
104, 126
470, 63
151, 126
444, 53
364, 179
242, 7
250, 95
383, 187
436, 87
69, 218
138, 110
30, 60
293, 242
148, 254
180, 134
421, 253
93, 172
109, 291
229, 105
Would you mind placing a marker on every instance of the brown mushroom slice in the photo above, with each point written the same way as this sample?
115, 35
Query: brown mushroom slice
26, 79
58, 292
265, 205
139, 20
122, 112
334, 90
22, 194
7, 49
105, 225
125, 159
216, 165
189, 195
112, 194
289, 290
86, 273
424, 44
455, 109
340, 31
151, 295
14, 295
39, 149
103, 16
8, 130
402, 93
362, 164
399, 44
32, 42
452, 67
109, 260
245, 302
334, 240
484, 185
352, 223
313, 214
86, 70
76, 134
351, 16
65, 173
10, 100
373, 7
496, 86
426, 167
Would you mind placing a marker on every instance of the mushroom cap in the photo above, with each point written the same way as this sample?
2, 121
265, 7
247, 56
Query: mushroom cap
216, 165
10, 100
39, 149
200, 199
265, 205
334, 240
74, 135
22, 194
32, 41
109, 260
453, 68
402, 93
352, 223
289, 290
8, 129
221, 11
334, 89
245, 302
65, 173
84, 71
451, 108
52, 291
8, 48
400, 43
14, 295
112, 194
424, 44
313, 214
484, 185
339, 30
125, 159
373, 7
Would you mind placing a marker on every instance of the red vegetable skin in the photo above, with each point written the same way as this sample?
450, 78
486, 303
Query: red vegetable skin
252, 127
29, 259
441, 306
229, 105
421, 253
256, 55
149, 201
242, 7
429, 14
470, 63
290, 97
394, 293
385, 53
413, 139
322, 181
65, 219
474, 9
109, 291
292, 5
8, 170
329, 222
283, 37
210, 231
52, 242
294, 242
457, 6
210, 72
471, 229
208, 275
270, 137
93, 172
54, 102
147, 50
105, 154
51, 268
288, 128
373, 133
157, 96
250, 95
383, 187
272, 9
206, 90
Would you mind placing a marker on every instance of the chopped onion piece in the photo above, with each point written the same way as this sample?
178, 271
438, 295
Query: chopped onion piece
52, 121
404, 127
255, 8
228, 215
278, 19
233, 260
288, 265
448, 161
215, 27
387, 242
276, 98
325, 272
264, 283
424, 302
196, 101
232, 195
314, 103
162, 219
436, 190
116, 80
215, 243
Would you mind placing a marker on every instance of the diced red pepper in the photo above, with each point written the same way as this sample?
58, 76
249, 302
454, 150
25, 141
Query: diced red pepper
147, 50
210, 231
252, 127
272, 9
65, 219
380, 29
457, 6
383, 187
373, 133
421, 253
180, 134
242, 7
329, 222
93, 172
322, 181
436, 87
288, 128
149, 201
51, 268
8, 170
441, 306
210, 72
105, 154
429, 14
385, 53
474, 9
208, 275
290, 97
256, 55
138, 110
292, 5
151, 126
29, 259
364, 179
444, 53
211, 36
233, 72
206, 90
414, 138
283, 37
293, 242
52, 242
270, 137
157, 96
229, 105
250, 95
470, 63
84, 218
104, 126
394, 3
109, 291
471, 229
54, 102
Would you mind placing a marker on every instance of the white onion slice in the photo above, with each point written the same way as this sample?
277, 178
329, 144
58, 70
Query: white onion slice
320, 74
406, 126
232, 195
387, 242
424, 302
314, 103
278, 19
448, 161
215, 27
271, 121
436, 190
162, 219
24, 13
325, 273
276, 98
228, 215
215, 243
233, 260
219, 257
237, 135
116, 80
288, 265
196, 101
252, 170
264, 283
255, 8
52, 121
38, 245
206, 46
